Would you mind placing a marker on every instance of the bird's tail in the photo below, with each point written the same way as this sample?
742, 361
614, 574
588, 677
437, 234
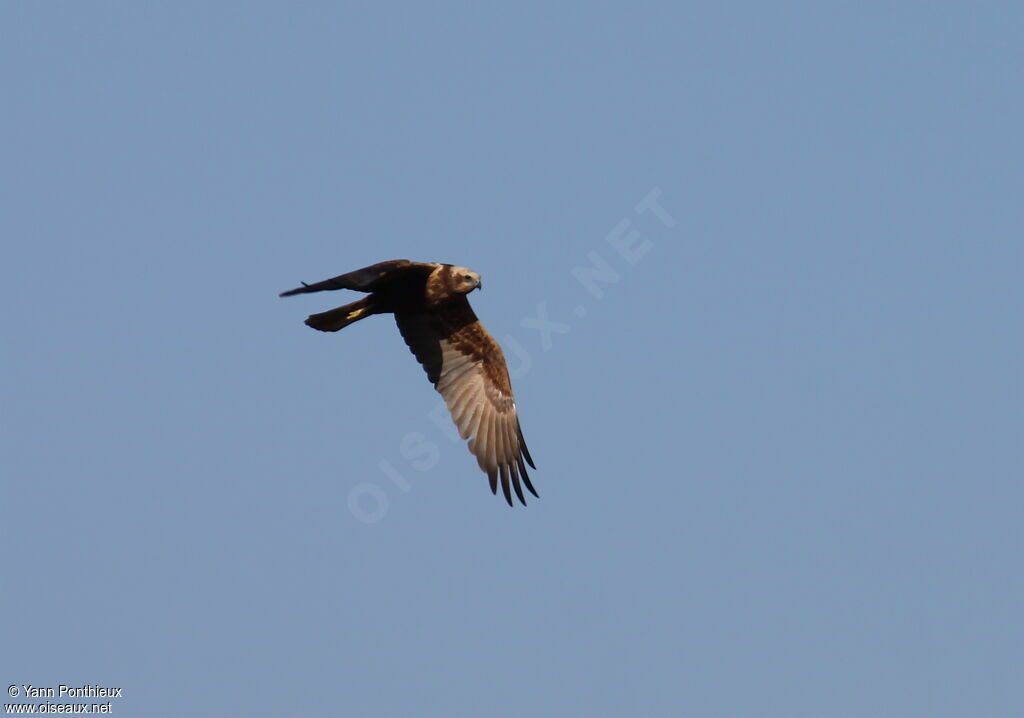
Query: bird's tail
335, 319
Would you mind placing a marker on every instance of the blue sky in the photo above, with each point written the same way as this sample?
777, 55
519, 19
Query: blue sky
778, 441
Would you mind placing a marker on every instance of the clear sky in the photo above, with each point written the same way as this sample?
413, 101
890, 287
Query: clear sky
757, 270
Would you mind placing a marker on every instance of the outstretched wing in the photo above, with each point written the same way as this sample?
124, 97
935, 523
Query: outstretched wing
369, 278
467, 367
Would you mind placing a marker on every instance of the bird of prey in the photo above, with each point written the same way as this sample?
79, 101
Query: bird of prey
464, 362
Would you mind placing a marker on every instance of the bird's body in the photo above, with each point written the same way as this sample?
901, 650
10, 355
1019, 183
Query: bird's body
462, 361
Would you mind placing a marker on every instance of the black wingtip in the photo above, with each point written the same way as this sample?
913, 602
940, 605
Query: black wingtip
522, 446
526, 476
505, 487
297, 290
515, 483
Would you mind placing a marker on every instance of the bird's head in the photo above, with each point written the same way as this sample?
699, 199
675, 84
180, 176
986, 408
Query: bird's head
465, 280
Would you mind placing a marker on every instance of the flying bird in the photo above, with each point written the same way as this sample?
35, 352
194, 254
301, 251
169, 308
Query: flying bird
462, 361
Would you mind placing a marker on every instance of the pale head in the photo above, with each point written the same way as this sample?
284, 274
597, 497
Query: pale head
464, 281
449, 281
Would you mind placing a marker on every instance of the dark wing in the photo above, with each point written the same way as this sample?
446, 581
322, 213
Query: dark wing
369, 278
467, 367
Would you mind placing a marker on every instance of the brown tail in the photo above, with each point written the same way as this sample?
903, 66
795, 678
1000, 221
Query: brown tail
341, 317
